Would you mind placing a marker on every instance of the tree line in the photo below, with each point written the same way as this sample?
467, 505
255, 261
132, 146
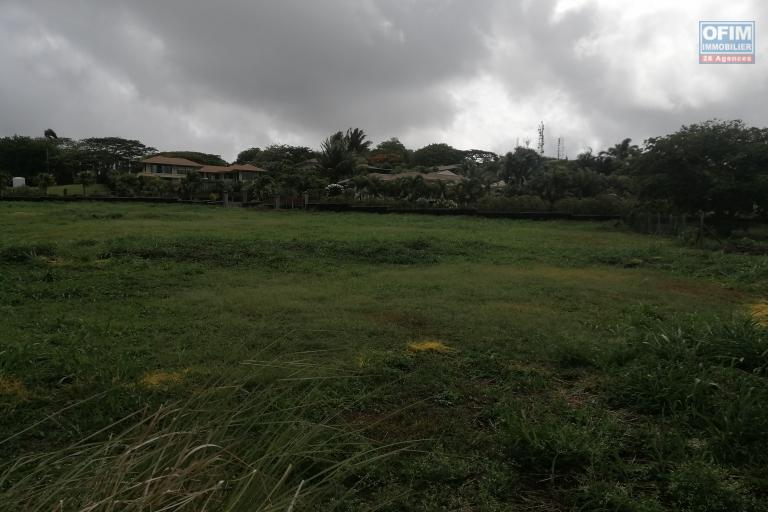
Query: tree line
718, 167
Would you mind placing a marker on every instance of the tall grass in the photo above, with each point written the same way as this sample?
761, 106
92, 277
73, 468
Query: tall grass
275, 447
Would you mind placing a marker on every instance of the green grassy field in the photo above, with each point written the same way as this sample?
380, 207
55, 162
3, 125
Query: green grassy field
78, 190
577, 366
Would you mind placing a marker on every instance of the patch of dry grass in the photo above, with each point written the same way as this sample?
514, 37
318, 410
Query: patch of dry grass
13, 387
162, 378
760, 313
430, 346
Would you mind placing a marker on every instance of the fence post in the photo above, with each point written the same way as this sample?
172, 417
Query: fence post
306, 199
277, 202
225, 197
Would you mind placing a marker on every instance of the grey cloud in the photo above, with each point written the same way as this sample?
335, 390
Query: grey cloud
160, 70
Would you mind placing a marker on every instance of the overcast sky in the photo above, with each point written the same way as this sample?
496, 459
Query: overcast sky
222, 76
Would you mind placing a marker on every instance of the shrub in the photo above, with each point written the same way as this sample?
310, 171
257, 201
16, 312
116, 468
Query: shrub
600, 205
27, 191
513, 204
124, 184
444, 203
334, 189
702, 487
556, 438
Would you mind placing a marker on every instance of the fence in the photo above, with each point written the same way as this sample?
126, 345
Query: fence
663, 224
727, 234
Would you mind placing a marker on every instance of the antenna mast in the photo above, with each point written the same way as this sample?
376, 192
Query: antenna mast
541, 139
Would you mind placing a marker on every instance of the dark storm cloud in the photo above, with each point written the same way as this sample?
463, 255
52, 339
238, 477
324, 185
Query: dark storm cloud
220, 76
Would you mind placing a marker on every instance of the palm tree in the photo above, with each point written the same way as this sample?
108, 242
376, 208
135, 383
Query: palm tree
335, 157
474, 171
49, 134
622, 151
356, 142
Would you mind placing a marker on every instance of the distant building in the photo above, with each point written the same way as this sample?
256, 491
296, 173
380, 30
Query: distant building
177, 168
18, 182
312, 164
444, 176
168, 167
235, 172
452, 167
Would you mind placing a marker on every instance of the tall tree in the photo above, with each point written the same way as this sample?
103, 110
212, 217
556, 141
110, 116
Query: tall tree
104, 155
86, 179
195, 156
356, 140
23, 156
276, 157
4, 181
553, 182
617, 159
519, 166
390, 152
714, 167
335, 158
480, 156
248, 156
622, 151
45, 180
437, 154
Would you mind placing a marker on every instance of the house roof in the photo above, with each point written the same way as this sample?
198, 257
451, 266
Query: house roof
446, 176
168, 160
246, 168
216, 169
220, 169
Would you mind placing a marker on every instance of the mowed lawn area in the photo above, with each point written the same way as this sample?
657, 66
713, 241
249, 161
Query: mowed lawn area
573, 365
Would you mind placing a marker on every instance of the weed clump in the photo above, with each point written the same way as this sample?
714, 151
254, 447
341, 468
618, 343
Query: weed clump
26, 253
710, 378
